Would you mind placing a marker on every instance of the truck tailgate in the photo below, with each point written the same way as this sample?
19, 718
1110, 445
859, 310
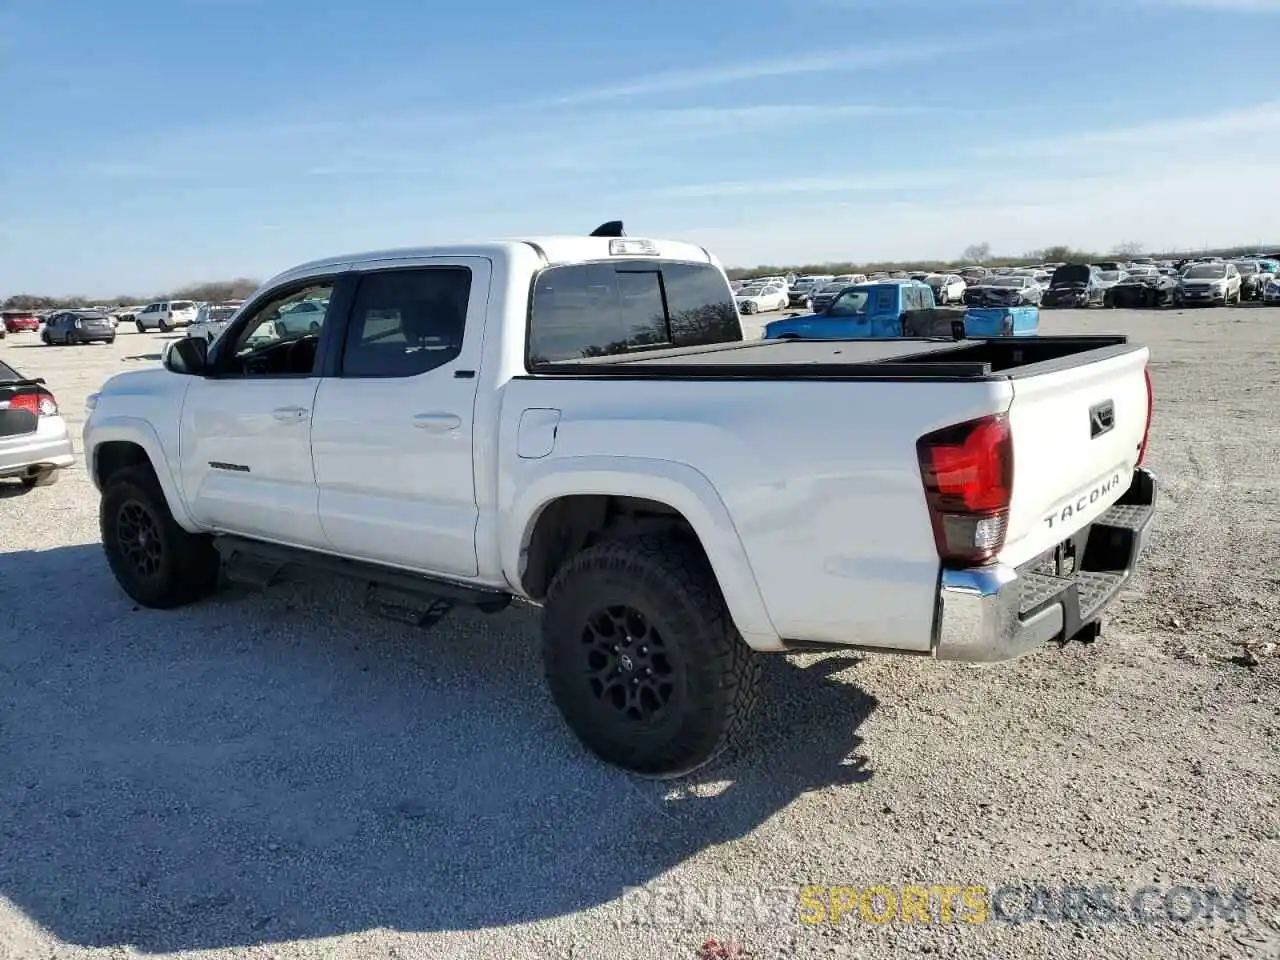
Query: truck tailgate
1076, 439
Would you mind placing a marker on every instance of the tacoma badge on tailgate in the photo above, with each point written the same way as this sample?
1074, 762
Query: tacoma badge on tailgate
1083, 502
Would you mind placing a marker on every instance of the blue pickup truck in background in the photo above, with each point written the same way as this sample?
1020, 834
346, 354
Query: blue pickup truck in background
900, 309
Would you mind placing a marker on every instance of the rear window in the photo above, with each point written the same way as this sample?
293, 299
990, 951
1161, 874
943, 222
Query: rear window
7, 372
181, 305
601, 309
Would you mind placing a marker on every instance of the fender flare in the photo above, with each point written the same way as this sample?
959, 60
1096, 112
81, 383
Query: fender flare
140, 432
677, 485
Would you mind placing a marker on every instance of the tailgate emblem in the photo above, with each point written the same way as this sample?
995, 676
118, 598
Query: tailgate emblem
1102, 417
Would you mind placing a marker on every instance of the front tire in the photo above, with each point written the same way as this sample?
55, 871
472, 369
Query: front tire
155, 561
642, 657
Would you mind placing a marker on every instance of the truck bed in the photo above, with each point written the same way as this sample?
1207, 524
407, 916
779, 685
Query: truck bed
997, 358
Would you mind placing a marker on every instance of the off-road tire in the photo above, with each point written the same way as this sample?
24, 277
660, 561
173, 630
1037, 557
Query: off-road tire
45, 478
186, 565
713, 673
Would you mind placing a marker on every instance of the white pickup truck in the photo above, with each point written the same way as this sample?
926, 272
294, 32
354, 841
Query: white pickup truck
578, 422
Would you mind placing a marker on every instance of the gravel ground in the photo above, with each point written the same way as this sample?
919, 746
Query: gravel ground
282, 775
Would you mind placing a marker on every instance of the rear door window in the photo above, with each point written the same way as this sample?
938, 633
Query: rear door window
602, 309
406, 322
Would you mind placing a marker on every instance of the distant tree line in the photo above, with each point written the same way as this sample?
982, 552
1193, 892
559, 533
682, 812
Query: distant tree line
211, 292
980, 253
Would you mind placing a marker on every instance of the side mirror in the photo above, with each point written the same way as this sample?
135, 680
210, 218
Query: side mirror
188, 356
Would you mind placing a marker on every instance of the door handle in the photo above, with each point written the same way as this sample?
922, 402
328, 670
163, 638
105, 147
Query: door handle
290, 414
437, 422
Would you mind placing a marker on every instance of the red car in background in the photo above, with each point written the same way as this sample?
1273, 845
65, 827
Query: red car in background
19, 321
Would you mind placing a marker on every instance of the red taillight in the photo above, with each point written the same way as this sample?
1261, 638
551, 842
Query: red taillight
1146, 431
36, 404
968, 482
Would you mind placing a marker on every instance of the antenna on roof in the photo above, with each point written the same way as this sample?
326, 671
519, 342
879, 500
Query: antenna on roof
611, 229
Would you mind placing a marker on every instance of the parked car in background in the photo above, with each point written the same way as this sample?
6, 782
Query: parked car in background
1073, 285
1252, 278
825, 295
1005, 291
947, 287
972, 273
1209, 283
1144, 287
799, 293
760, 297
34, 444
848, 278
1107, 279
165, 315
1271, 292
212, 318
18, 321
78, 326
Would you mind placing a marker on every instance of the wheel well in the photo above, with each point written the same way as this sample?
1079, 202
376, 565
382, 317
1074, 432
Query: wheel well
570, 525
115, 455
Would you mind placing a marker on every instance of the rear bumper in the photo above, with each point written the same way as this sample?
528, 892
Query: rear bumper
994, 613
49, 446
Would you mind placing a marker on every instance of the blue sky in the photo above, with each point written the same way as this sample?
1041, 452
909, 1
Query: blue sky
146, 144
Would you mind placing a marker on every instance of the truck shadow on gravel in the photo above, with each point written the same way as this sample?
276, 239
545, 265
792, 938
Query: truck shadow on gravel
282, 766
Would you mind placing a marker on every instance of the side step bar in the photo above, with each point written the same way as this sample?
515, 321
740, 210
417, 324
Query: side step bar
404, 596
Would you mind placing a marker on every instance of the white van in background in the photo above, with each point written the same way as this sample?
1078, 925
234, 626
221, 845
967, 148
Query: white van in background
165, 315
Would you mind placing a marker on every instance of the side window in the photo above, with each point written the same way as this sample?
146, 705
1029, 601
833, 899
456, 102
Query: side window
886, 300
406, 322
280, 337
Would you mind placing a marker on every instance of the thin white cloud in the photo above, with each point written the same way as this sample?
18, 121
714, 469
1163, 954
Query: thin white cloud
856, 58
1238, 6
811, 185
1253, 122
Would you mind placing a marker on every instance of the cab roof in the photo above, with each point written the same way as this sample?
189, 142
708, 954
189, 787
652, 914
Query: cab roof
552, 249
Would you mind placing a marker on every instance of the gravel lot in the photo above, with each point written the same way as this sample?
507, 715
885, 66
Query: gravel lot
282, 775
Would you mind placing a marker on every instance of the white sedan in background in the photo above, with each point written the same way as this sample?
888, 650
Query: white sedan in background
761, 297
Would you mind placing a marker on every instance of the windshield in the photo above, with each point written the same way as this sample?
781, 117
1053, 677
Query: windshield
833, 288
1248, 267
851, 303
751, 291
1008, 282
936, 280
221, 313
1206, 271
1110, 275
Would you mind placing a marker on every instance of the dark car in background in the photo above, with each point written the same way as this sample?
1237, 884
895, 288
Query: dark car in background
79, 326
1007, 291
1144, 288
1074, 285
824, 296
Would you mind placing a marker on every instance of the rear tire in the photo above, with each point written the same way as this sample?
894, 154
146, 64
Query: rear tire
45, 478
155, 561
642, 658
141, 328
164, 327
